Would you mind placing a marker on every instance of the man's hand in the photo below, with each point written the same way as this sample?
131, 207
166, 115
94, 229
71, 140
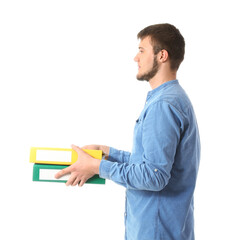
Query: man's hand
85, 167
103, 148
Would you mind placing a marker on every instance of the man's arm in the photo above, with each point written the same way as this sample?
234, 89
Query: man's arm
160, 138
87, 166
110, 153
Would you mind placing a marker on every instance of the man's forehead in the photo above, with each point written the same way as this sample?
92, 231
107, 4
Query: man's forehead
145, 43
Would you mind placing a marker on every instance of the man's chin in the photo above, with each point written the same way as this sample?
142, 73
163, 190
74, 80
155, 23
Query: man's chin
142, 78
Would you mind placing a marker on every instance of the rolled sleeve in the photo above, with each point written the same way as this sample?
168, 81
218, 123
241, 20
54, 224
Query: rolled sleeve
119, 156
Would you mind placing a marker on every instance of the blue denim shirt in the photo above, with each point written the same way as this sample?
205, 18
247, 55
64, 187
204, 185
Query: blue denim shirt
160, 172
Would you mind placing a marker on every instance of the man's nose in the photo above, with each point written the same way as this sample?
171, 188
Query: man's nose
136, 58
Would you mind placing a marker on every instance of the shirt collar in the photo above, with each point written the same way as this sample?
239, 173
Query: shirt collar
159, 88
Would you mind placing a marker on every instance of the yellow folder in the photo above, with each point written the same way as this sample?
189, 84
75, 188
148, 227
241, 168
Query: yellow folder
58, 156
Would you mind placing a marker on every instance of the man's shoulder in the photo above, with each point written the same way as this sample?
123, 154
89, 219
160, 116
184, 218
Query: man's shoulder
173, 97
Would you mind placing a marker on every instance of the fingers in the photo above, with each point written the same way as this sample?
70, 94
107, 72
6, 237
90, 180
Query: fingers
76, 182
77, 171
63, 172
92, 147
81, 183
87, 147
73, 181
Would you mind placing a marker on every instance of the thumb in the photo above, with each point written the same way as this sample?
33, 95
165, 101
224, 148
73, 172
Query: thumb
79, 151
76, 148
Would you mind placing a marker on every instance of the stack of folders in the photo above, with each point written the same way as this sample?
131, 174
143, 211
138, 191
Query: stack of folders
49, 161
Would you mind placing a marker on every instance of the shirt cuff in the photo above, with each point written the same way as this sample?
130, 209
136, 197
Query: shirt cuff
114, 155
105, 168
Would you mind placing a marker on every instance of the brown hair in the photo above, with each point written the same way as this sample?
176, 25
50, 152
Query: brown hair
168, 37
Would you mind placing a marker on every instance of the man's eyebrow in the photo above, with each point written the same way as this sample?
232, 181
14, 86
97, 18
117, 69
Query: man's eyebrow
140, 48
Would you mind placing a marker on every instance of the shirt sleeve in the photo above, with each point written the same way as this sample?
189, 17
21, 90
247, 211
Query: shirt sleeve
119, 156
161, 135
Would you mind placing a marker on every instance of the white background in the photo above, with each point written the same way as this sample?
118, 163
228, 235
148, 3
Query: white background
68, 76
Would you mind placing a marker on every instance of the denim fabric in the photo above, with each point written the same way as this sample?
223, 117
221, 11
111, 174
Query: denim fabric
160, 172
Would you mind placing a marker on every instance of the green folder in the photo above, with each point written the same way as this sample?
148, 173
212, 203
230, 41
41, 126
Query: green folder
45, 173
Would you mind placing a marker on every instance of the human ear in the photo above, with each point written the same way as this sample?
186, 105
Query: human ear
163, 55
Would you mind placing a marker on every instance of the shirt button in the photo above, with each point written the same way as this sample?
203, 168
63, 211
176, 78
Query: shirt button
125, 214
155, 170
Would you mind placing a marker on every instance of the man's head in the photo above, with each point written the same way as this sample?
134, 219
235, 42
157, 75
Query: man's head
163, 39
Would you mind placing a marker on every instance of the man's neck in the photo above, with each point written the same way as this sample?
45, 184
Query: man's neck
159, 80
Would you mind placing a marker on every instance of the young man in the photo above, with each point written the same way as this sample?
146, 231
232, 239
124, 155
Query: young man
161, 170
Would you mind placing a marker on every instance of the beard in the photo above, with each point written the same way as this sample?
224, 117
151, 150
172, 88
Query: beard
151, 73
